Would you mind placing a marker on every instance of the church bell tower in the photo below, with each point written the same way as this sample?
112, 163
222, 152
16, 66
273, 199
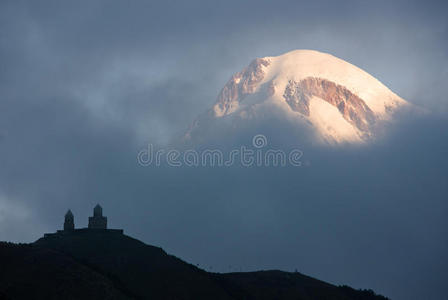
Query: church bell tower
98, 221
69, 223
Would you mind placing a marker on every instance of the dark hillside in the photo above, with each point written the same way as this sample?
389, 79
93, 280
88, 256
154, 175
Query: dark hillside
146, 270
100, 264
30, 272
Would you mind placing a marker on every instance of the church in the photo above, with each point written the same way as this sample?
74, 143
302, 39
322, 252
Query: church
97, 223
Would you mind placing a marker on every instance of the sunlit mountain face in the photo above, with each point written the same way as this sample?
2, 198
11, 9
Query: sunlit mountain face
332, 99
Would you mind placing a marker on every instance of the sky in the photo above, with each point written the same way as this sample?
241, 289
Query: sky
85, 85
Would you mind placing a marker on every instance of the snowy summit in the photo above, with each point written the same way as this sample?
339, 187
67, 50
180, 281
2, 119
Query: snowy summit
338, 101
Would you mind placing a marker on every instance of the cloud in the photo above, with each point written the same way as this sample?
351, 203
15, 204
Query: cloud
84, 87
17, 221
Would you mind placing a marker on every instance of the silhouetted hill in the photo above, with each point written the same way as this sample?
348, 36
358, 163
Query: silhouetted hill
30, 272
147, 271
104, 265
286, 285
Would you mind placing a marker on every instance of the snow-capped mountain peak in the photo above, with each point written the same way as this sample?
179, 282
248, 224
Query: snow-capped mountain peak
336, 99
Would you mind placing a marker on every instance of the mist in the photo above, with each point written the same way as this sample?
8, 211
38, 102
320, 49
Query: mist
84, 87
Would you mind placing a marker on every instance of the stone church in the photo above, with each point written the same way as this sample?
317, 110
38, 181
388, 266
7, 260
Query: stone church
97, 223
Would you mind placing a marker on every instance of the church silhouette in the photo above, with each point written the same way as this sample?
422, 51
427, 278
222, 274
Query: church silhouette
97, 223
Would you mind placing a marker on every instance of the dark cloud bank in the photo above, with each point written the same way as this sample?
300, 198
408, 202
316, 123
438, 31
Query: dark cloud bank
83, 88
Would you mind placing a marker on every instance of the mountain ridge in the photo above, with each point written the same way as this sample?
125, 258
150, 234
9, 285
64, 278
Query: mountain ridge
96, 264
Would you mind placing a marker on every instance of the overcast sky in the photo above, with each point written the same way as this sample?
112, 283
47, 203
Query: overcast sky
85, 85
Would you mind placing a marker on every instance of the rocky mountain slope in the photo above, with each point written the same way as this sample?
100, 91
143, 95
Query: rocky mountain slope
335, 100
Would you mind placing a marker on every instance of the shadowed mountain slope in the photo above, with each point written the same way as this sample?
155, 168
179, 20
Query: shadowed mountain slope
96, 264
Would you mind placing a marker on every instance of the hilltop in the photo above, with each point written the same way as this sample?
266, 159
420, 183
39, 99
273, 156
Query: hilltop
97, 264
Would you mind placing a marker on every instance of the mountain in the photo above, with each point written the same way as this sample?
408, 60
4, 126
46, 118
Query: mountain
332, 99
96, 264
